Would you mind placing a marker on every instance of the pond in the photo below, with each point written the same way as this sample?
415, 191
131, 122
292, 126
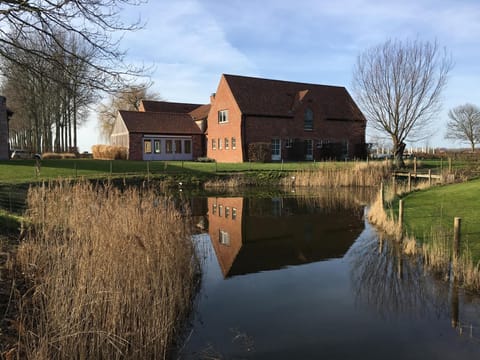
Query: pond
304, 276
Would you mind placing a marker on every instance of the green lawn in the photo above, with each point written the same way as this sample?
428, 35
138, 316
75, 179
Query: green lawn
434, 210
16, 171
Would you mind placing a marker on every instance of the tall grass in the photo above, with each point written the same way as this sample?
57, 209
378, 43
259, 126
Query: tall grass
112, 274
357, 174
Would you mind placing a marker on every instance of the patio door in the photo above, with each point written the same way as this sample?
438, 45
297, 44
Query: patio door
309, 149
276, 149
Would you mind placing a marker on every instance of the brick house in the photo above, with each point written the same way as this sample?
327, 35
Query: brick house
286, 120
162, 131
4, 114
298, 121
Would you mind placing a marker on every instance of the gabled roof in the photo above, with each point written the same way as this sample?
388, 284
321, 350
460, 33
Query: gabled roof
166, 106
265, 97
159, 123
201, 112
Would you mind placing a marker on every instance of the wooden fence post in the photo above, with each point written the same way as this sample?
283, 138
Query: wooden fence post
381, 194
400, 213
429, 177
409, 182
457, 232
394, 185
449, 165
415, 164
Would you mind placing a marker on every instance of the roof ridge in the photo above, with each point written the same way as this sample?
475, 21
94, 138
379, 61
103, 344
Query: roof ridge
282, 81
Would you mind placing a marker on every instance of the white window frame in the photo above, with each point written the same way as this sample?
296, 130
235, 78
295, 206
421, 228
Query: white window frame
222, 116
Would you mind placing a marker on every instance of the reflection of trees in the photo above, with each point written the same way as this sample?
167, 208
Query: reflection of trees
384, 278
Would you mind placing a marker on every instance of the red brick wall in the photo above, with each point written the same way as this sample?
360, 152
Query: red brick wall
263, 129
224, 101
135, 147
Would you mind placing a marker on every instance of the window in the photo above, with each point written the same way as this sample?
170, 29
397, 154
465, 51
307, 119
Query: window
234, 143
147, 146
288, 143
308, 119
234, 213
178, 146
227, 212
222, 116
157, 146
226, 143
187, 146
214, 208
168, 146
214, 144
224, 237
220, 210
219, 144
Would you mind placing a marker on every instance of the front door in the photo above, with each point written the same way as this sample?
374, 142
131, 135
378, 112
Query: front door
276, 149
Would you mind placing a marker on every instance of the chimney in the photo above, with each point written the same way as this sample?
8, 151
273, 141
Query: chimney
212, 98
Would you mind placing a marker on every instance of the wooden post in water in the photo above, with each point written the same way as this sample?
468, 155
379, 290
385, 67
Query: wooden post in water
400, 213
409, 182
394, 185
457, 229
381, 194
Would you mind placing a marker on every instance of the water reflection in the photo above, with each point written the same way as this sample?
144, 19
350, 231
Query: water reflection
354, 296
256, 234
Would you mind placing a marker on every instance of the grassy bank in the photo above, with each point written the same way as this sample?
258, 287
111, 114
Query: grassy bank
110, 274
433, 211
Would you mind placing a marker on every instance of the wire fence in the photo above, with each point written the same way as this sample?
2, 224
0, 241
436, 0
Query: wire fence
13, 197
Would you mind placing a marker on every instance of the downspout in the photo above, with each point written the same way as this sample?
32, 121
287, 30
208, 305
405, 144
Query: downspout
242, 136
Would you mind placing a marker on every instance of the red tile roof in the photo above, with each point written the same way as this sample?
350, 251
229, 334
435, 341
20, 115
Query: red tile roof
201, 112
265, 97
159, 123
165, 106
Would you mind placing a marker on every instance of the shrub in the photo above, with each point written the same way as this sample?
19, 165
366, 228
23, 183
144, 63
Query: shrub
53, 156
205, 159
259, 152
109, 152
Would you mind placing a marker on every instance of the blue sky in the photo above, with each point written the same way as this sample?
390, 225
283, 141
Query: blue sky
190, 43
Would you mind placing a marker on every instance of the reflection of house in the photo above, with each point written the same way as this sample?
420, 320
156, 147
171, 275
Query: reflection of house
162, 131
286, 120
4, 148
267, 234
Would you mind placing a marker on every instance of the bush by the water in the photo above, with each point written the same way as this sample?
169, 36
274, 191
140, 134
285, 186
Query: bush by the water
109, 152
259, 152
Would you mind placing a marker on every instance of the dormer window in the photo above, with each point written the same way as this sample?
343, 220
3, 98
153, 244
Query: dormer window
222, 116
308, 119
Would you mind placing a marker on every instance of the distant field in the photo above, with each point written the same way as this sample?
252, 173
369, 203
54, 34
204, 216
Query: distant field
16, 171
434, 210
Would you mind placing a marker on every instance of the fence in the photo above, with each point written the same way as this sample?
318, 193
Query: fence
13, 197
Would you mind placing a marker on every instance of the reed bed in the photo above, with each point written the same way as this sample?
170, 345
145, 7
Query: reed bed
112, 274
359, 174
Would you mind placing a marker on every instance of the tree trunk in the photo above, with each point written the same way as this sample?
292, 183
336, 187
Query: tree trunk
398, 150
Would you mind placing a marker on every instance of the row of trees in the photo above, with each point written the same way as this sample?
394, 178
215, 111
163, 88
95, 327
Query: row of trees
56, 58
49, 103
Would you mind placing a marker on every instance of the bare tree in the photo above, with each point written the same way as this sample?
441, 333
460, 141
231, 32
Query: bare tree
464, 124
92, 21
399, 85
128, 98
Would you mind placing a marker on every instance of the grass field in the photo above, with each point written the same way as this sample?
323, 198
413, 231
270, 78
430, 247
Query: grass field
16, 171
433, 211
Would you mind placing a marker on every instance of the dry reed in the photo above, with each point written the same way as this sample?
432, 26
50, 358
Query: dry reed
360, 174
112, 273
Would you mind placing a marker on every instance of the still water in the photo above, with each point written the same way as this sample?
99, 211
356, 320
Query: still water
306, 277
